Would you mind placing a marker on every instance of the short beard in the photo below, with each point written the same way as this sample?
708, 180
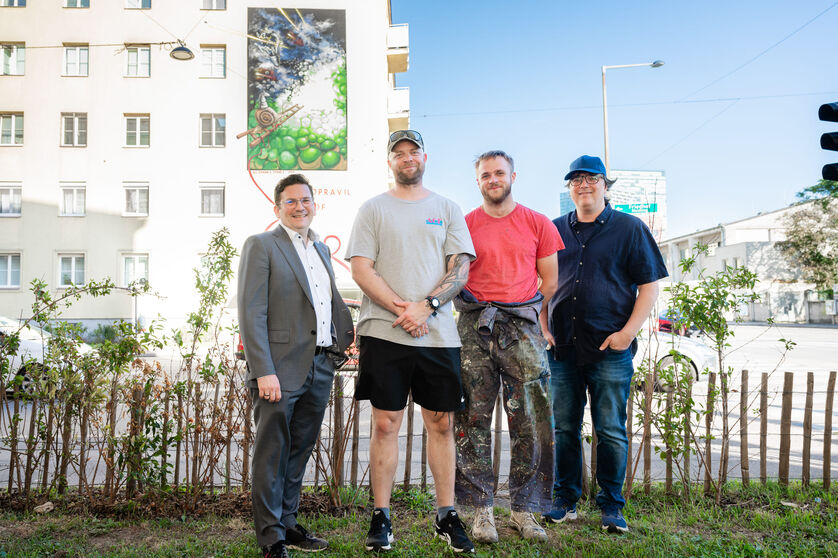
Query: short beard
507, 192
410, 181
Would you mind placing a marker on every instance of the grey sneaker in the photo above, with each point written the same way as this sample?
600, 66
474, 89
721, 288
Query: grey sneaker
524, 522
483, 530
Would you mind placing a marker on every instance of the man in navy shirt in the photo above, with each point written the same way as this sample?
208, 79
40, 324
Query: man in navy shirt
608, 275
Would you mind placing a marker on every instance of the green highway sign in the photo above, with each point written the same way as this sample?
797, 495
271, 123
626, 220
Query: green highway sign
637, 207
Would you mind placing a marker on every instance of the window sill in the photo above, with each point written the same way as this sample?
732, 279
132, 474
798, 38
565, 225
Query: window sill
212, 146
136, 146
10, 215
135, 215
210, 215
72, 215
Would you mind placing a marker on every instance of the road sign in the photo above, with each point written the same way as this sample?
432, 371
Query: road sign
637, 207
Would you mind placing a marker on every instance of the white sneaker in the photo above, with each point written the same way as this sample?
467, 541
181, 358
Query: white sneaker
483, 527
525, 523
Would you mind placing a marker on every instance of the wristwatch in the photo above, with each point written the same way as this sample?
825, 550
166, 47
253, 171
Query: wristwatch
433, 304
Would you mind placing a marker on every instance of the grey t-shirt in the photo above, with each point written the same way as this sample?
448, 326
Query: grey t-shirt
409, 242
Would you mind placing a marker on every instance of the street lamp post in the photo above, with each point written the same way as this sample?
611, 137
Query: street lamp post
655, 64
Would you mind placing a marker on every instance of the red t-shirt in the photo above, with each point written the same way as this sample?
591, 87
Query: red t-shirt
507, 248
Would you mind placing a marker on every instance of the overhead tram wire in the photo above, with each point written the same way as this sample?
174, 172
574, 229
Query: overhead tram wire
646, 104
733, 71
696, 129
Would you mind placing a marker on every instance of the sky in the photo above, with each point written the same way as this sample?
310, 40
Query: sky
731, 117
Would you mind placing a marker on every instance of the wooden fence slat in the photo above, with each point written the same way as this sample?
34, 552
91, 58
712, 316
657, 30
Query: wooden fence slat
180, 440
408, 454
13, 458
827, 432
668, 430
338, 431
356, 435
647, 433
785, 428
424, 457
708, 424
629, 479
687, 480
763, 429
248, 436
496, 450
807, 428
744, 454
592, 487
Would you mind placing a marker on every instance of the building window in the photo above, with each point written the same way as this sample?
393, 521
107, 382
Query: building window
71, 268
75, 60
212, 199
213, 61
12, 3
138, 61
136, 199
13, 59
9, 199
215, 4
9, 271
76, 3
134, 268
138, 4
74, 129
137, 128
11, 129
72, 199
212, 130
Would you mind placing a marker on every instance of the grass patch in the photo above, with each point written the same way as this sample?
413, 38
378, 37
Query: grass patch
758, 521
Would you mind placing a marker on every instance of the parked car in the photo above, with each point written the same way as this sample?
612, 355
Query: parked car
659, 345
30, 351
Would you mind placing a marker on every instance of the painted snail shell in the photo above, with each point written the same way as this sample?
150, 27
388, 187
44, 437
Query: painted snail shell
265, 116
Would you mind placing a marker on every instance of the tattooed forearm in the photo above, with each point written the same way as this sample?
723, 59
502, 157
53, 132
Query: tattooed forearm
455, 278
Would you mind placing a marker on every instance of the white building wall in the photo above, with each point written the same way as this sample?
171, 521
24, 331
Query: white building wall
173, 234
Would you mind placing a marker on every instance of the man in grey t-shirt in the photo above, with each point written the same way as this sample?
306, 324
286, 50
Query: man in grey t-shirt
410, 251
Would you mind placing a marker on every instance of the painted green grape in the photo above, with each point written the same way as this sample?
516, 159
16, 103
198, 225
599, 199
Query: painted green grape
287, 160
310, 155
330, 159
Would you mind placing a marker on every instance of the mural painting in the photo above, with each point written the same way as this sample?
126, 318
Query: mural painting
296, 62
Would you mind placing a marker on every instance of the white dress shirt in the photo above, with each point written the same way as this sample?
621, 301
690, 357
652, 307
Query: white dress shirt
319, 283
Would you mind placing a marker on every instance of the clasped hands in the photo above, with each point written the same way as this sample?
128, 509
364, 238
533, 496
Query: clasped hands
413, 317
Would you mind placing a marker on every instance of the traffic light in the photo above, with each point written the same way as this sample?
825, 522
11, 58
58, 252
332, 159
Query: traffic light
829, 140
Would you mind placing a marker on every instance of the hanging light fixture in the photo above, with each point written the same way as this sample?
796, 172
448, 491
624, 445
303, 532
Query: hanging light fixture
180, 52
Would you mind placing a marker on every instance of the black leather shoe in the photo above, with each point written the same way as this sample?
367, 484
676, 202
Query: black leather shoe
299, 539
276, 550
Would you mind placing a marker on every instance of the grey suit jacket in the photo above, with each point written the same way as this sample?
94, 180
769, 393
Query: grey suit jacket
277, 322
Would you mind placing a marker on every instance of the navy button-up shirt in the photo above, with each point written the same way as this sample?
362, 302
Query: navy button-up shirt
599, 270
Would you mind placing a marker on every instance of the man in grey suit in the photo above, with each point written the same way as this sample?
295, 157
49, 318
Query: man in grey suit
291, 319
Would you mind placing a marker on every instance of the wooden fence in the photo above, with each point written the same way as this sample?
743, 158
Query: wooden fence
201, 436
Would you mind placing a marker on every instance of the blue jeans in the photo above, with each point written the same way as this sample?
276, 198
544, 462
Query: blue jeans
609, 382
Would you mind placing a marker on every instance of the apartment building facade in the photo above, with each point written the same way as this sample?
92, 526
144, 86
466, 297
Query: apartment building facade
119, 158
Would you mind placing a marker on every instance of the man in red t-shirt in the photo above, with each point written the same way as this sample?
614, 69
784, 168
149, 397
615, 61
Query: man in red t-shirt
504, 334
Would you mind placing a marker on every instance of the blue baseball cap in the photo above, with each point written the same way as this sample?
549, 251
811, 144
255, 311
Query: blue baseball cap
586, 163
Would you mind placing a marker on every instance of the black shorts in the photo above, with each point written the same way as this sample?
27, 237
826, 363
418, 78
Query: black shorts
389, 371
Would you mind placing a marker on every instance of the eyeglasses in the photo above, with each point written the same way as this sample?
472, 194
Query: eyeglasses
412, 135
576, 181
292, 203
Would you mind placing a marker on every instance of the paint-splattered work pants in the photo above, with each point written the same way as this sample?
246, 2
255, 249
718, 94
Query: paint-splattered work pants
510, 353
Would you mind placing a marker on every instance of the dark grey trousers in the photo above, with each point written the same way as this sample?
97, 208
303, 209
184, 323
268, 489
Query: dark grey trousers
286, 432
